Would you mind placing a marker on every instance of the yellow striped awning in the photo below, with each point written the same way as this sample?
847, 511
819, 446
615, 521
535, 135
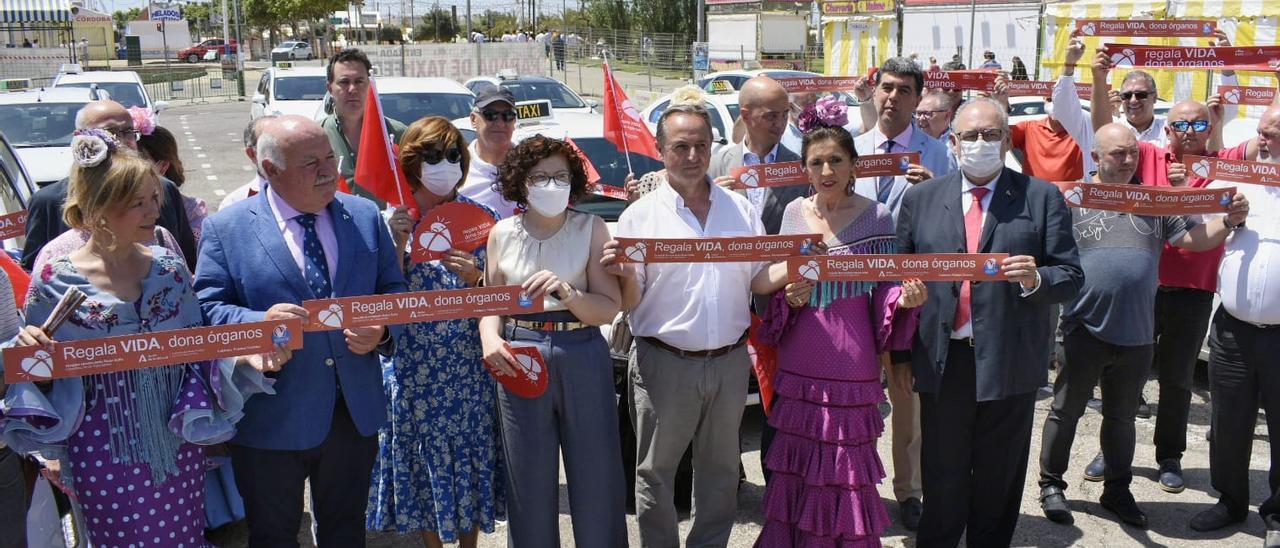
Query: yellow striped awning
853, 44
1213, 9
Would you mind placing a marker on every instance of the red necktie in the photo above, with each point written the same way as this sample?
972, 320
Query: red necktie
972, 235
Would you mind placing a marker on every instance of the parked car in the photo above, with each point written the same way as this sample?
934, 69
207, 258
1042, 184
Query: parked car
16, 189
736, 78
39, 123
122, 86
723, 108
405, 99
534, 88
292, 50
197, 52
286, 89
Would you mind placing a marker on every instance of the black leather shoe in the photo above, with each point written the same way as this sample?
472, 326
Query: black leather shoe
1054, 504
1097, 470
1216, 517
1144, 410
1171, 476
1120, 502
911, 510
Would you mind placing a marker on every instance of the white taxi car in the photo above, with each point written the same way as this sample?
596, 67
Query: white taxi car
537, 88
287, 89
39, 123
736, 78
122, 86
722, 106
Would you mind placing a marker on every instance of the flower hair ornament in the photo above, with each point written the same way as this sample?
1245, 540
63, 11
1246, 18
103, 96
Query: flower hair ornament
91, 146
144, 120
828, 111
689, 94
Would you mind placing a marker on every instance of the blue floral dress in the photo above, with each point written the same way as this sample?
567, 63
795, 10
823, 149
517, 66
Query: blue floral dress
439, 468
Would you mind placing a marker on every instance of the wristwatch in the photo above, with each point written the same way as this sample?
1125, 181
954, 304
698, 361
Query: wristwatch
1230, 226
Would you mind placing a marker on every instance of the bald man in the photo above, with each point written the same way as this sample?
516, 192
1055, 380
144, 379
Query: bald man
1243, 345
44, 222
764, 105
1187, 281
1108, 328
299, 240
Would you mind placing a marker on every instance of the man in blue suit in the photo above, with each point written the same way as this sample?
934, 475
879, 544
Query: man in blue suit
898, 87
295, 241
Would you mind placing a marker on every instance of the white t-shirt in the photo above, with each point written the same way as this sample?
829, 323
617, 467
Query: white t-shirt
479, 187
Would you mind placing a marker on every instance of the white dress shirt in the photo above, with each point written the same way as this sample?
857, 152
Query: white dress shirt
1249, 274
966, 201
693, 306
481, 177
294, 233
756, 195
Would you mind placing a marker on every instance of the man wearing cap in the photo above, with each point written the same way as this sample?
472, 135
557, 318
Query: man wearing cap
348, 80
494, 118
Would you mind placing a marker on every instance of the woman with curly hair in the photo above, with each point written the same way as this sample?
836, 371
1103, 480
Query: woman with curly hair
554, 254
128, 441
438, 471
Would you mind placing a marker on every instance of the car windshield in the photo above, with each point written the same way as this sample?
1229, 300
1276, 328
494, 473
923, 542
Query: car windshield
1030, 108
39, 124
408, 107
299, 88
559, 95
612, 166
128, 94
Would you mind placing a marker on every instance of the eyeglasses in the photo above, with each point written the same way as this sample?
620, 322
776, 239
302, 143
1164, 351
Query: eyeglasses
1181, 126
491, 115
928, 113
988, 135
543, 180
433, 156
1139, 95
129, 134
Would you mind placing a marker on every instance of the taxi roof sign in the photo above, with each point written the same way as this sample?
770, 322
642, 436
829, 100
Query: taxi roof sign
721, 86
70, 68
284, 64
508, 74
15, 84
532, 112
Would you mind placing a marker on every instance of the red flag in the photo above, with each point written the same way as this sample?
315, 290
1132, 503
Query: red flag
622, 124
593, 176
377, 168
18, 278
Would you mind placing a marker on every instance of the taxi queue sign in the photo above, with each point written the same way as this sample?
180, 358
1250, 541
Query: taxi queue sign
721, 86
15, 84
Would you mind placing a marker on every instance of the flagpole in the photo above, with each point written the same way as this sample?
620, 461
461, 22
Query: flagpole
613, 96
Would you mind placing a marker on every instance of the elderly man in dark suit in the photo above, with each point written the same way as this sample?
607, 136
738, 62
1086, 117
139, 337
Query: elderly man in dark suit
764, 105
983, 348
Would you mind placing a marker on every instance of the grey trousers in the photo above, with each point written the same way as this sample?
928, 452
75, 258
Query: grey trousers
578, 417
675, 401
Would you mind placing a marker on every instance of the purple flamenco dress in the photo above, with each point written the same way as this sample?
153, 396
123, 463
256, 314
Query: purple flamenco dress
822, 492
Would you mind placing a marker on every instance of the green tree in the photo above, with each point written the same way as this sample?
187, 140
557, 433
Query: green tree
122, 18
609, 14
674, 16
437, 25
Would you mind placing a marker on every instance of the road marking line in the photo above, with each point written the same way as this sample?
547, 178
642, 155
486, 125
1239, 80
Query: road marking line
196, 148
220, 192
201, 155
247, 168
211, 177
206, 166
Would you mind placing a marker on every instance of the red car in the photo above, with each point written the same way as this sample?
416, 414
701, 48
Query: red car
196, 53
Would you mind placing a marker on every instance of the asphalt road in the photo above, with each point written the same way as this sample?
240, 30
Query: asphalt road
210, 139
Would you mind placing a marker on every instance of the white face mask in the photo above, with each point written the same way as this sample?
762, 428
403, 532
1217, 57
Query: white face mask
442, 177
550, 200
981, 159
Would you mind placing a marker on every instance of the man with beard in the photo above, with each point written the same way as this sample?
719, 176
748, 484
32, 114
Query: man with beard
1243, 345
1108, 327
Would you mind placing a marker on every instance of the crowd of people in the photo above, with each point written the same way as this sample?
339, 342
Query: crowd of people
403, 427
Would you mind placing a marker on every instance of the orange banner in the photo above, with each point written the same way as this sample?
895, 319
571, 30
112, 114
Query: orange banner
454, 225
933, 267
13, 225
818, 83
418, 306
1256, 96
1236, 171
143, 350
747, 249
1172, 28
532, 376
1257, 58
1146, 200
767, 175
881, 165
959, 80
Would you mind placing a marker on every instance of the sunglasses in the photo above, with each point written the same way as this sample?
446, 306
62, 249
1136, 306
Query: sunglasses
1139, 95
491, 115
433, 156
1181, 126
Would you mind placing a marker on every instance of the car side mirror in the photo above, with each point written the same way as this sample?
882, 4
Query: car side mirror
593, 104
717, 137
158, 106
259, 98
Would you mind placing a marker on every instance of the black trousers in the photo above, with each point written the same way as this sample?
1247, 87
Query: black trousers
1244, 363
13, 501
1182, 320
1122, 371
973, 459
272, 484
